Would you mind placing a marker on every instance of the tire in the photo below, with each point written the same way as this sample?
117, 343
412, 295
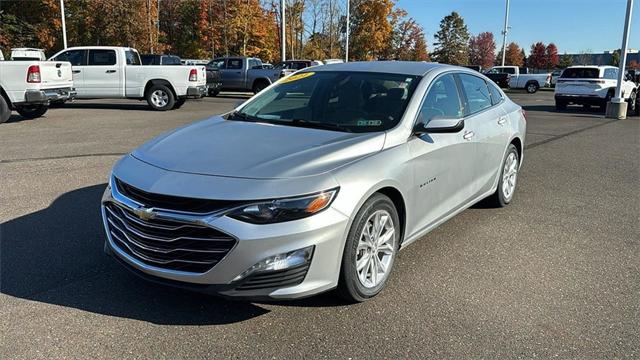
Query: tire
214, 93
532, 87
160, 98
561, 105
500, 198
637, 104
32, 111
5, 111
259, 86
632, 105
179, 103
358, 286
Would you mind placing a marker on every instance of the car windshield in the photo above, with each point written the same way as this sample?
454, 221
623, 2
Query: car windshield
581, 73
342, 101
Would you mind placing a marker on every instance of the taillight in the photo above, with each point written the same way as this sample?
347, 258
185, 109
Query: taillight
193, 75
33, 74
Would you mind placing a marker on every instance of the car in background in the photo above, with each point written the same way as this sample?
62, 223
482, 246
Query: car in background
214, 78
113, 72
555, 74
194, 61
518, 78
28, 86
315, 183
593, 85
477, 68
290, 66
26, 54
332, 61
244, 74
160, 59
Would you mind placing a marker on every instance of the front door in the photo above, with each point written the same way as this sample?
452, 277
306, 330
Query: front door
443, 163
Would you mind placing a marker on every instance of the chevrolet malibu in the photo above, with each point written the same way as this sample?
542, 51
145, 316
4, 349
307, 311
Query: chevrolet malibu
316, 183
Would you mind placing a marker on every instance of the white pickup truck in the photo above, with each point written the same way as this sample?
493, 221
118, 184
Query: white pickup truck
520, 78
29, 86
101, 72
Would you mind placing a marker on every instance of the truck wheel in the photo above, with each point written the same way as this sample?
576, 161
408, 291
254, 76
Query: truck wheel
259, 86
561, 105
32, 111
179, 103
160, 98
532, 87
214, 93
5, 112
632, 107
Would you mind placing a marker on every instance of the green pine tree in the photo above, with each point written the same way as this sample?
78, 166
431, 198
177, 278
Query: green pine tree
452, 41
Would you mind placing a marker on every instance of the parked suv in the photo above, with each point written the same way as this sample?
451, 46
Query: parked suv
593, 86
316, 183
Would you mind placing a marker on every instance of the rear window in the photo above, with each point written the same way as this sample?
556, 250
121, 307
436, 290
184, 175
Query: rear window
171, 60
581, 73
102, 57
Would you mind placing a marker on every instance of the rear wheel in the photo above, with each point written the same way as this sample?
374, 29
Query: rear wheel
5, 112
160, 98
370, 250
214, 93
532, 87
508, 179
179, 103
632, 107
32, 111
259, 86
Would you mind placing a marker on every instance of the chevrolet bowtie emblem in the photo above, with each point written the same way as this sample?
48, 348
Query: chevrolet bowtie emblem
145, 213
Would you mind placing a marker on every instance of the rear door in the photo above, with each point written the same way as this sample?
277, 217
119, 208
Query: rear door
102, 78
488, 124
78, 60
233, 74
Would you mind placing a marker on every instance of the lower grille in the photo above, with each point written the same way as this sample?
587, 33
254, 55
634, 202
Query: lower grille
167, 244
275, 279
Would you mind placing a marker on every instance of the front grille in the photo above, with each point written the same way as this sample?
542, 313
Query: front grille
168, 202
275, 279
167, 244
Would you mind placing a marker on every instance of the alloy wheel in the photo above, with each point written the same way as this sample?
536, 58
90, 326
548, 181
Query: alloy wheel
376, 249
159, 98
509, 175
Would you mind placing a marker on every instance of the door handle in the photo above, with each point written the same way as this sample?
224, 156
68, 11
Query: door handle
468, 135
110, 71
76, 71
502, 120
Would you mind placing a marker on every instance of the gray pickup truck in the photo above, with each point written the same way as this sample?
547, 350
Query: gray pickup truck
244, 74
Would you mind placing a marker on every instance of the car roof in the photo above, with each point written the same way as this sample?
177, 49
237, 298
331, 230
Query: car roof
593, 66
416, 68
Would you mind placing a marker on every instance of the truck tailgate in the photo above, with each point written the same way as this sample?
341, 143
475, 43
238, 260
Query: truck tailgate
55, 74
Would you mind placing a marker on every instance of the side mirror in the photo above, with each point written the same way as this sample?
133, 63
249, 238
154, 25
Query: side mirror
436, 125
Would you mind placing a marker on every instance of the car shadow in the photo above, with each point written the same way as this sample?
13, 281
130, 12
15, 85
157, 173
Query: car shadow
142, 105
55, 256
14, 118
570, 110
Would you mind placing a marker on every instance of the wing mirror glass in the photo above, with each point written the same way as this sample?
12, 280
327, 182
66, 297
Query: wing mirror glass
436, 125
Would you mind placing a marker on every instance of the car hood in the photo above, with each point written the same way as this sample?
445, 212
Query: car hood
255, 150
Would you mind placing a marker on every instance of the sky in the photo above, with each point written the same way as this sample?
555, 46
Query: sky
573, 25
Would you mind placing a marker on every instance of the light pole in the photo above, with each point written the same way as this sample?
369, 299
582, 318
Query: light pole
617, 107
346, 46
64, 25
283, 42
504, 32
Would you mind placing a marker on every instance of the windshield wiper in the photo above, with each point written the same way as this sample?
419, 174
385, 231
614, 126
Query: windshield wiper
312, 124
238, 115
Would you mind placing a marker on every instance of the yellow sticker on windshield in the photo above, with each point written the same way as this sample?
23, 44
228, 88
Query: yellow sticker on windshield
296, 77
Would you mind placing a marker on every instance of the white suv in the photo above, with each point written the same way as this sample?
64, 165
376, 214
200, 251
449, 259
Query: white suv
592, 85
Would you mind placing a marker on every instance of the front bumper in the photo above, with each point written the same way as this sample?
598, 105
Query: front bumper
196, 92
325, 231
47, 95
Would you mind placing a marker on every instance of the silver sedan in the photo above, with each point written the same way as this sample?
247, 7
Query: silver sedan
316, 183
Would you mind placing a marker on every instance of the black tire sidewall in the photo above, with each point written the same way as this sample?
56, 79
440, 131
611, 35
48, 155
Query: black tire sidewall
349, 284
170, 103
35, 112
5, 111
535, 88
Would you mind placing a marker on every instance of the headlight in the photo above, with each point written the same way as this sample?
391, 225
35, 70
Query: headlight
279, 210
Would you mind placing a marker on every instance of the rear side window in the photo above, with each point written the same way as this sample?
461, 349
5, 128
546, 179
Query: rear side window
75, 57
581, 73
234, 64
171, 60
477, 93
102, 57
132, 57
442, 101
611, 74
496, 95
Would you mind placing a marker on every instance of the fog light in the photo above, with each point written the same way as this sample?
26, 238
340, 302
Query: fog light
280, 262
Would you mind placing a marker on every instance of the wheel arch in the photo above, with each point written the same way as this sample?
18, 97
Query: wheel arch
164, 82
6, 98
398, 201
259, 80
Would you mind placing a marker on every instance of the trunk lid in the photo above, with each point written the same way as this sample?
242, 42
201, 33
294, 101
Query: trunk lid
55, 74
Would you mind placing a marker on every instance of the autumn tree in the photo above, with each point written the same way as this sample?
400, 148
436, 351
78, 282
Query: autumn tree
482, 49
514, 56
633, 64
537, 57
452, 41
371, 31
408, 39
551, 56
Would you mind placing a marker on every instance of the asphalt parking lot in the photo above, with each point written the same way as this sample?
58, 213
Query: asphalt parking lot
556, 273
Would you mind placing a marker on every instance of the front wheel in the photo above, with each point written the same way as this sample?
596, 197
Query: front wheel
259, 86
370, 250
532, 87
508, 179
5, 111
632, 107
32, 111
160, 98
